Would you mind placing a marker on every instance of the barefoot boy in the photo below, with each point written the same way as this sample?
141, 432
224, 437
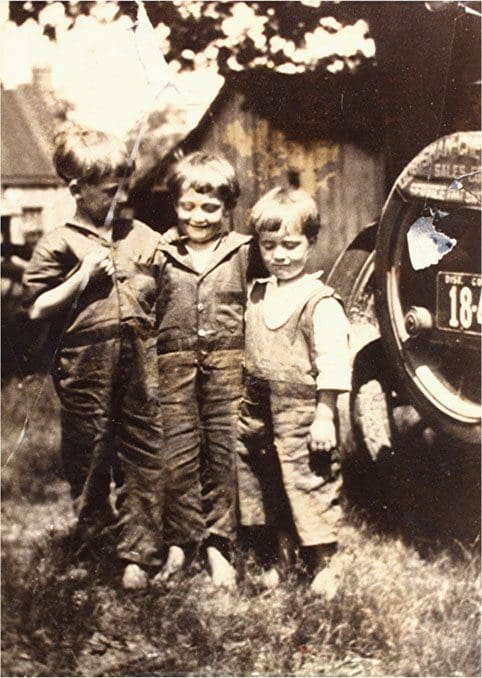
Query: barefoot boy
297, 362
201, 342
95, 279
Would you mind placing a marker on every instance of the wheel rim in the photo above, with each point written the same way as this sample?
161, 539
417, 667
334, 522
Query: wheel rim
422, 365
440, 368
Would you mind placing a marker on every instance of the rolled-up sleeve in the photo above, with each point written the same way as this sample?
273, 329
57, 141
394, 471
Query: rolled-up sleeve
47, 267
331, 342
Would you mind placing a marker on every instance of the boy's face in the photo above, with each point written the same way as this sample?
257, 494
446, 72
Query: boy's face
200, 215
94, 200
284, 252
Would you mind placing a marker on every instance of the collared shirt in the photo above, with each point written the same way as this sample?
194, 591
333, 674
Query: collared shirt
277, 315
130, 294
203, 311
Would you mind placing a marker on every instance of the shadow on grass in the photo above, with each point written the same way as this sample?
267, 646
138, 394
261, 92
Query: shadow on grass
47, 602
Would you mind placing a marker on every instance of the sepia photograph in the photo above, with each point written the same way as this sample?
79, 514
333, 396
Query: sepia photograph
241, 338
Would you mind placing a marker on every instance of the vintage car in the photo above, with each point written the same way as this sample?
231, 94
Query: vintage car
411, 284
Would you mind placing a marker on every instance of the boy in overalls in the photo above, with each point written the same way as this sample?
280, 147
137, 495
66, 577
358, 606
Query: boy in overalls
201, 348
95, 279
297, 361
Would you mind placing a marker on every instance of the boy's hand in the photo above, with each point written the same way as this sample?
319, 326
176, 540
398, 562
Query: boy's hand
97, 263
322, 435
170, 236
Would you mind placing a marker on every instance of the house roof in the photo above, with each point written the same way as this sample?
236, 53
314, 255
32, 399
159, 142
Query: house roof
27, 131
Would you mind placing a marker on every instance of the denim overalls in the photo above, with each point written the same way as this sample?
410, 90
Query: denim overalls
279, 481
201, 350
106, 378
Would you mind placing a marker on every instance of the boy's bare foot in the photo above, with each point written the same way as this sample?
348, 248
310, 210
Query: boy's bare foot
270, 578
221, 571
326, 582
134, 578
176, 559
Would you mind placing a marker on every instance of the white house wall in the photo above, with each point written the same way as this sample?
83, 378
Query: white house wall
56, 205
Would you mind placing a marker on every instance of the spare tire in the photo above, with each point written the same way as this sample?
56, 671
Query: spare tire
429, 310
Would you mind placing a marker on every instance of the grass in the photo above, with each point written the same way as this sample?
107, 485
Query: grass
30, 438
396, 613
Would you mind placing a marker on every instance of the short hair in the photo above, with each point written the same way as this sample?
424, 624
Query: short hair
289, 208
206, 173
90, 155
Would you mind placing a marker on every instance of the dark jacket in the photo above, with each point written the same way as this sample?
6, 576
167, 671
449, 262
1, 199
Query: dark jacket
203, 311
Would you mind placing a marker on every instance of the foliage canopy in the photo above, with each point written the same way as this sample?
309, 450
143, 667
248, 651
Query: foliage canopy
288, 37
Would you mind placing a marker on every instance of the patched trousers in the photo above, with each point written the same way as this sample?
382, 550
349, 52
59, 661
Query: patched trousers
199, 402
280, 482
107, 383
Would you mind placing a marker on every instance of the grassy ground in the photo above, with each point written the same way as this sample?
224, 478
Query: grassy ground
396, 613
30, 439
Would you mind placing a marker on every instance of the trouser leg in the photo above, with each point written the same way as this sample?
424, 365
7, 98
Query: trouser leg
219, 392
184, 521
141, 452
261, 498
312, 482
83, 380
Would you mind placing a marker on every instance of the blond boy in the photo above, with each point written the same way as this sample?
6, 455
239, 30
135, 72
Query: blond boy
297, 362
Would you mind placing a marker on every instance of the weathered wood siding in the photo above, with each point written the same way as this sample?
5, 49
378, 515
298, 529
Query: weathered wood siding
347, 180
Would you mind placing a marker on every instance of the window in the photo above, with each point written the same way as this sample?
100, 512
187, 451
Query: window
31, 219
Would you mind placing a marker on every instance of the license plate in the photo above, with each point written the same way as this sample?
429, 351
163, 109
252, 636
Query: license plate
458, 302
